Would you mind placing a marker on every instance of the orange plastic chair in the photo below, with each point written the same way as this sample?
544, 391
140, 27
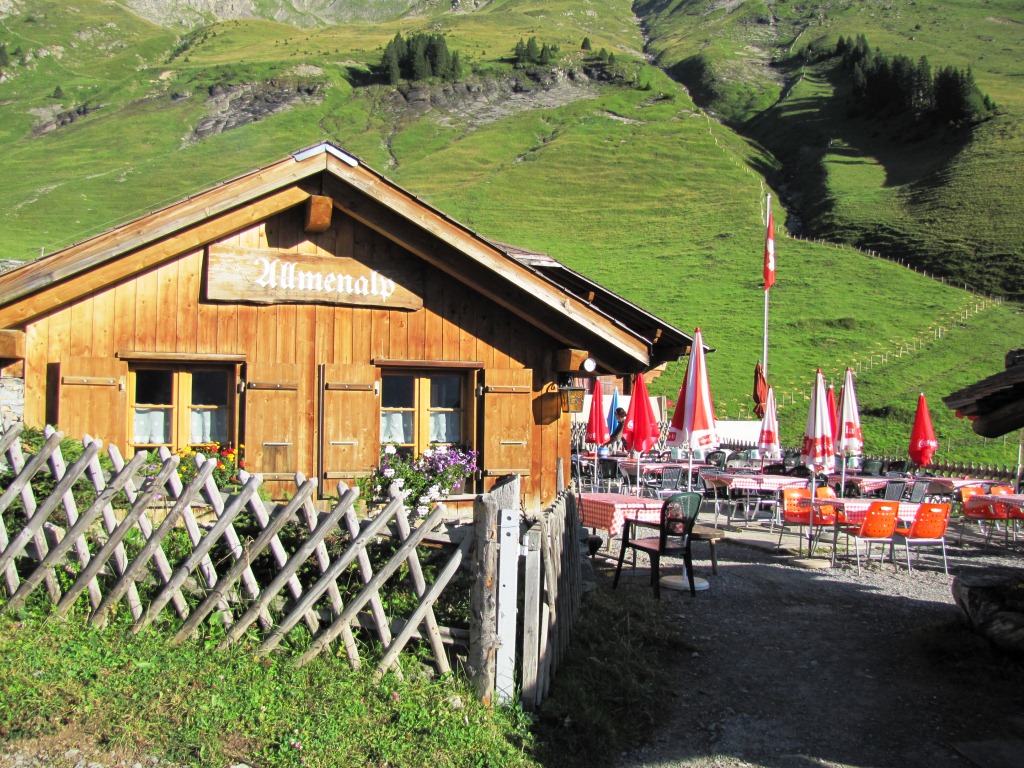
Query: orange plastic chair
962, 497
929, 527
828, 492
878, 526
794, 514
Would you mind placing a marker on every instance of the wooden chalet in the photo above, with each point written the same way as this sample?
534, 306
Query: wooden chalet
309, 311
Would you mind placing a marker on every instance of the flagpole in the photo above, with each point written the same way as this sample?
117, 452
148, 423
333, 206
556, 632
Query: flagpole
769, 234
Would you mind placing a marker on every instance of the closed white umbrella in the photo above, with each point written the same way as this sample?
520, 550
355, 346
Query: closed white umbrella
693, 422
818, 450
850, 440
768, 440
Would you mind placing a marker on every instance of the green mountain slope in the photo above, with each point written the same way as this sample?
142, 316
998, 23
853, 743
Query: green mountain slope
630, 183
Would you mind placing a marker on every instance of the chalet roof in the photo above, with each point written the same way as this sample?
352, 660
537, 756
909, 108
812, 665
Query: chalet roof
579, 313
995, 404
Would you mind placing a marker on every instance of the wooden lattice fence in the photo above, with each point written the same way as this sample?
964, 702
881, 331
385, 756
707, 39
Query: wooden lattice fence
333, 573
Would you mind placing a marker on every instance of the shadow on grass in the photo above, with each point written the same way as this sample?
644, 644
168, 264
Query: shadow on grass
607, 696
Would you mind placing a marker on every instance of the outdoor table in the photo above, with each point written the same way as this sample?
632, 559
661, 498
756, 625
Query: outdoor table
607, 511
853, 512
652, 469
947, 486
1015, 500
864, 484
751, 484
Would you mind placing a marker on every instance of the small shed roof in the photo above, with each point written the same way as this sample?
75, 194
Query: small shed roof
995, 404
579, 313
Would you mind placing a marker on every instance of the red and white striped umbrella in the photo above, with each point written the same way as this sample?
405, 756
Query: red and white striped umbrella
818, 451
693, 422
850, 440
768, 441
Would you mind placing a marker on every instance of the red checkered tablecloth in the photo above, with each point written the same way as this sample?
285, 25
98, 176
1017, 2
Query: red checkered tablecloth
863, 483
752, 482
855, 509
608, 510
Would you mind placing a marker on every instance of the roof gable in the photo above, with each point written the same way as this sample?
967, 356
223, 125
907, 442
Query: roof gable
623, 337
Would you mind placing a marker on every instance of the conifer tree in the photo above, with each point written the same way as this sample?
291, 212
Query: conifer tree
532, 50
586, 44
545, 55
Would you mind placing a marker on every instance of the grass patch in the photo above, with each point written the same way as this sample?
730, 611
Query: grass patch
64, 685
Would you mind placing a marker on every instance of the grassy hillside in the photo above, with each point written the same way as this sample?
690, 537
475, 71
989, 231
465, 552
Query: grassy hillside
633, 186
946, 201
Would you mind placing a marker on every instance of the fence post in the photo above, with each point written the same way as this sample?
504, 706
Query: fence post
531, 619
483, 639
508, 600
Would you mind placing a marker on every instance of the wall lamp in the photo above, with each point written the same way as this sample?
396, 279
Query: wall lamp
570, 394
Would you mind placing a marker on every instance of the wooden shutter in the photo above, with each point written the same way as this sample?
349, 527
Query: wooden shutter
507, 416
276, 429
92, 398
349, 422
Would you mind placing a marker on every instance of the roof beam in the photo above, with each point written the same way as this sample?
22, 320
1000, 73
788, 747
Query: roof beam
110, 272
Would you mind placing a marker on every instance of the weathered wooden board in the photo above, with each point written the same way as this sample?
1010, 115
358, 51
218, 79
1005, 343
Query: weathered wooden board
272, 277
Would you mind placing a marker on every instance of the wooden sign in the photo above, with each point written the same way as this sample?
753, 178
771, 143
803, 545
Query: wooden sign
272, 277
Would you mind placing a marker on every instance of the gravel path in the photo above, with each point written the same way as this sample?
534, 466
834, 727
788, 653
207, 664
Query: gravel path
798, 667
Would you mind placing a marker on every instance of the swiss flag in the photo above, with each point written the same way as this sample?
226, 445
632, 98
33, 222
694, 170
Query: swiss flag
769, 254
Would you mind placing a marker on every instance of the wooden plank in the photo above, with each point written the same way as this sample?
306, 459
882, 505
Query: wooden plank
44, 294
163, 567
58, 468
103, 324
425, 609
309, 598
311, 544
125, 324
76, 532
252, 550
12, 344
531, 620
189, 285
127, 581
426, 615
146, 310
275, 277
36, 339
508, 598
202, 550
484, 640
166, 320
33, 527
356, 604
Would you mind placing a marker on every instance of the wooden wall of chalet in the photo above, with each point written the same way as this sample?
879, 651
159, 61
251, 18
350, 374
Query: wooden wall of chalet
162, 311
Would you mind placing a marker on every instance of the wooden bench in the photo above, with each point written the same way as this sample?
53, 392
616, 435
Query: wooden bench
711, 535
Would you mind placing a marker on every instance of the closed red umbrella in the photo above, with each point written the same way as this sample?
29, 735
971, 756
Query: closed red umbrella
760, 393
641, 430
922, 438
833, 411
597, 427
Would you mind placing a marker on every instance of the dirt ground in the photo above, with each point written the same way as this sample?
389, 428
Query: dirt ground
798, 667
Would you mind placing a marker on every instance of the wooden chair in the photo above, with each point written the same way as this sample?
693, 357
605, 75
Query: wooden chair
678, 516
878, 527
929, 527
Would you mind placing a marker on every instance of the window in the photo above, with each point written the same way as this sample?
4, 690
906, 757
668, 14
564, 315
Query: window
179, 407
421, 410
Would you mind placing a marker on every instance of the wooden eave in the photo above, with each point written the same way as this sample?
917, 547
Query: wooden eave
995, 404
52, 281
